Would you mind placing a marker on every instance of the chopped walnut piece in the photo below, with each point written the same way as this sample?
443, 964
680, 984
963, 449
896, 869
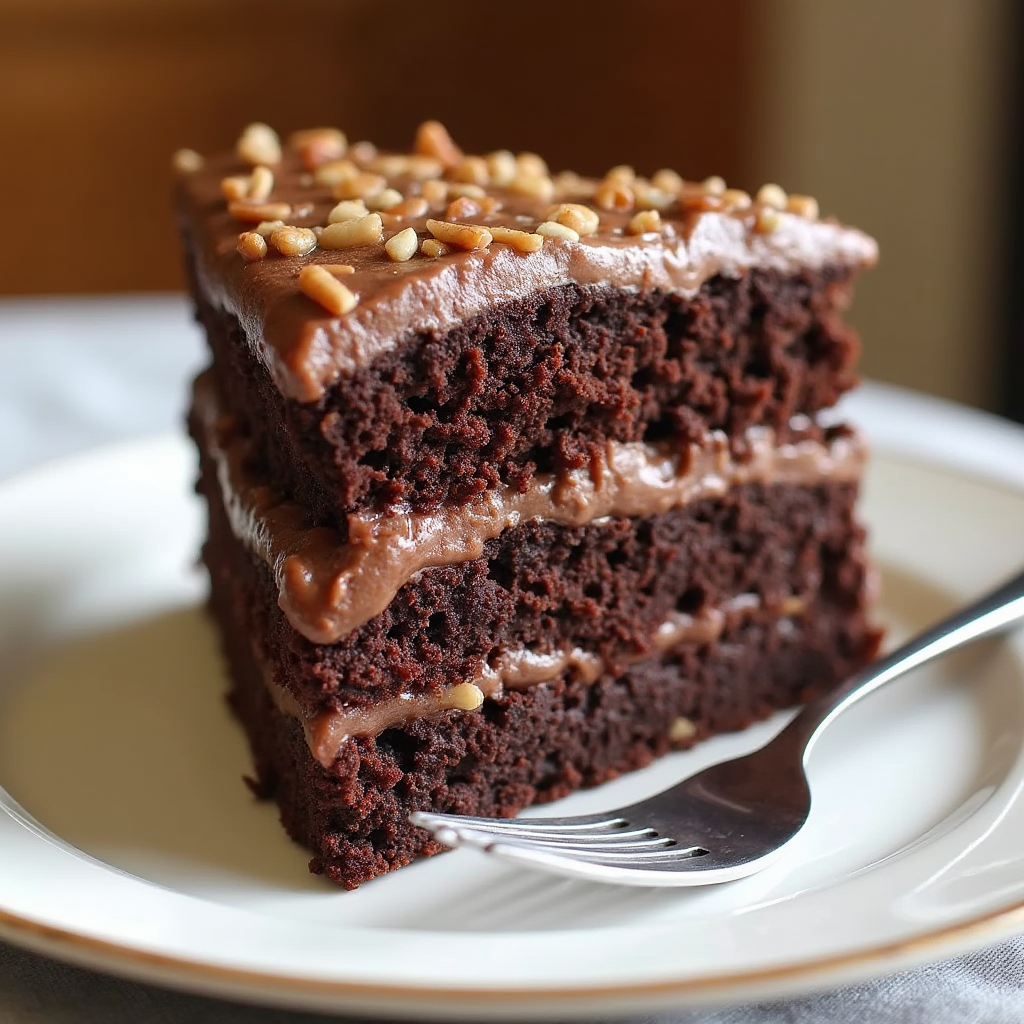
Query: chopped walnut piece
461, 236
323, 287
345, 234
347, 209
552, 229
413, 206
385, 199
252, 245
736, 199
533, 185
435, 192
615, 196
261, 184
463, 208
646, 220
186, 161
472, 170
714, 186
521, 241
292, 241
317, 146
434, 248
360, 186
772, 195
767, 220
432, 139
463, 697
267, 227
803, 206
334, 172
532, 165
259, 144
235, 187
402, 246
502, 167
668, 181
243, 209
582, 219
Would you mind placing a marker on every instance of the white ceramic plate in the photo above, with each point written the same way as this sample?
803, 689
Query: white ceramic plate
128, 842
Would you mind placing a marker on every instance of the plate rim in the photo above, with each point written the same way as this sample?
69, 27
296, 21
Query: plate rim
881, 406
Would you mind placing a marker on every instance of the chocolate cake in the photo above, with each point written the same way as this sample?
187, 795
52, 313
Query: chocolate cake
515, 480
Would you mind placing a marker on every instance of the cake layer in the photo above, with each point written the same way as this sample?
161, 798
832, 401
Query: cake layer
522, 747
610, 591
447, 415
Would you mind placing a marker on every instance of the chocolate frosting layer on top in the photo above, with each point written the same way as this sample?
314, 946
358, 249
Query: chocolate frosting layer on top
701, 234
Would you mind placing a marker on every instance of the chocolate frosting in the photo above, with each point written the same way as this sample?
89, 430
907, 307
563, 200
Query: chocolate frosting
306, 349
329, 587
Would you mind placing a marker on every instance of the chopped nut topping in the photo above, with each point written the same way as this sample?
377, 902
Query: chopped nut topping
235, 187
317, 146
464, 697
552, 229
255, 212
767, 220
650, 198
621, 175
186, 161
465, 188
334, 172
463, 208
472, 170
521, 241
292, 241
433, 248
259, 144
736, 199
667, 180
714, 186
772, 195
532, 165
363, 152
339, 268
432, 139
570, 183
362, 231
614, 196
435, 192
360, 186
532, 185
347, 209
402, 247
582, 219
502, 167
646, 220
803, 206
414, 206
681, 730
322, 287
261, 184
396, 165
384, 200
267, 227
252, 245
462, 236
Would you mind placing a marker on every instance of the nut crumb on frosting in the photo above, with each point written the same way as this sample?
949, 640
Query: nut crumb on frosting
323, 287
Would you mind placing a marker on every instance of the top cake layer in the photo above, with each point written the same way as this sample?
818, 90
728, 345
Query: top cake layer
486, 230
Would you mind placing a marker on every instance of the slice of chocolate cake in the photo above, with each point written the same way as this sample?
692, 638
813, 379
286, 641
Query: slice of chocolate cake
515, 481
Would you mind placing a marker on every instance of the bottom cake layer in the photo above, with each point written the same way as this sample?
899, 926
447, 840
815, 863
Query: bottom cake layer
523, 747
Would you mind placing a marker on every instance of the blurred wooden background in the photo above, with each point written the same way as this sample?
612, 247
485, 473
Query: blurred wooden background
94, 98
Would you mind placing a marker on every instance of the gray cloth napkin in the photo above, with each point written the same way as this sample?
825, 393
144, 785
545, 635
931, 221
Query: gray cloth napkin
81, 372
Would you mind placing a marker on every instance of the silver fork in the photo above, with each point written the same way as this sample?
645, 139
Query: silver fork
731, 819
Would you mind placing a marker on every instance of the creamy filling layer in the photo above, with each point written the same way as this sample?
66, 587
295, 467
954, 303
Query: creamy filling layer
328, 587
519, 668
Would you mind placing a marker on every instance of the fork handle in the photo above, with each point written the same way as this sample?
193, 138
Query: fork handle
995, 612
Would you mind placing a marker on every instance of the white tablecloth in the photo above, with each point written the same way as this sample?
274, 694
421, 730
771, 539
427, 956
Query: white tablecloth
121, 371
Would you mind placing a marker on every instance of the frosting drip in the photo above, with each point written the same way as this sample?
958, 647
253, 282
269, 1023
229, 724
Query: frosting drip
329, 587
